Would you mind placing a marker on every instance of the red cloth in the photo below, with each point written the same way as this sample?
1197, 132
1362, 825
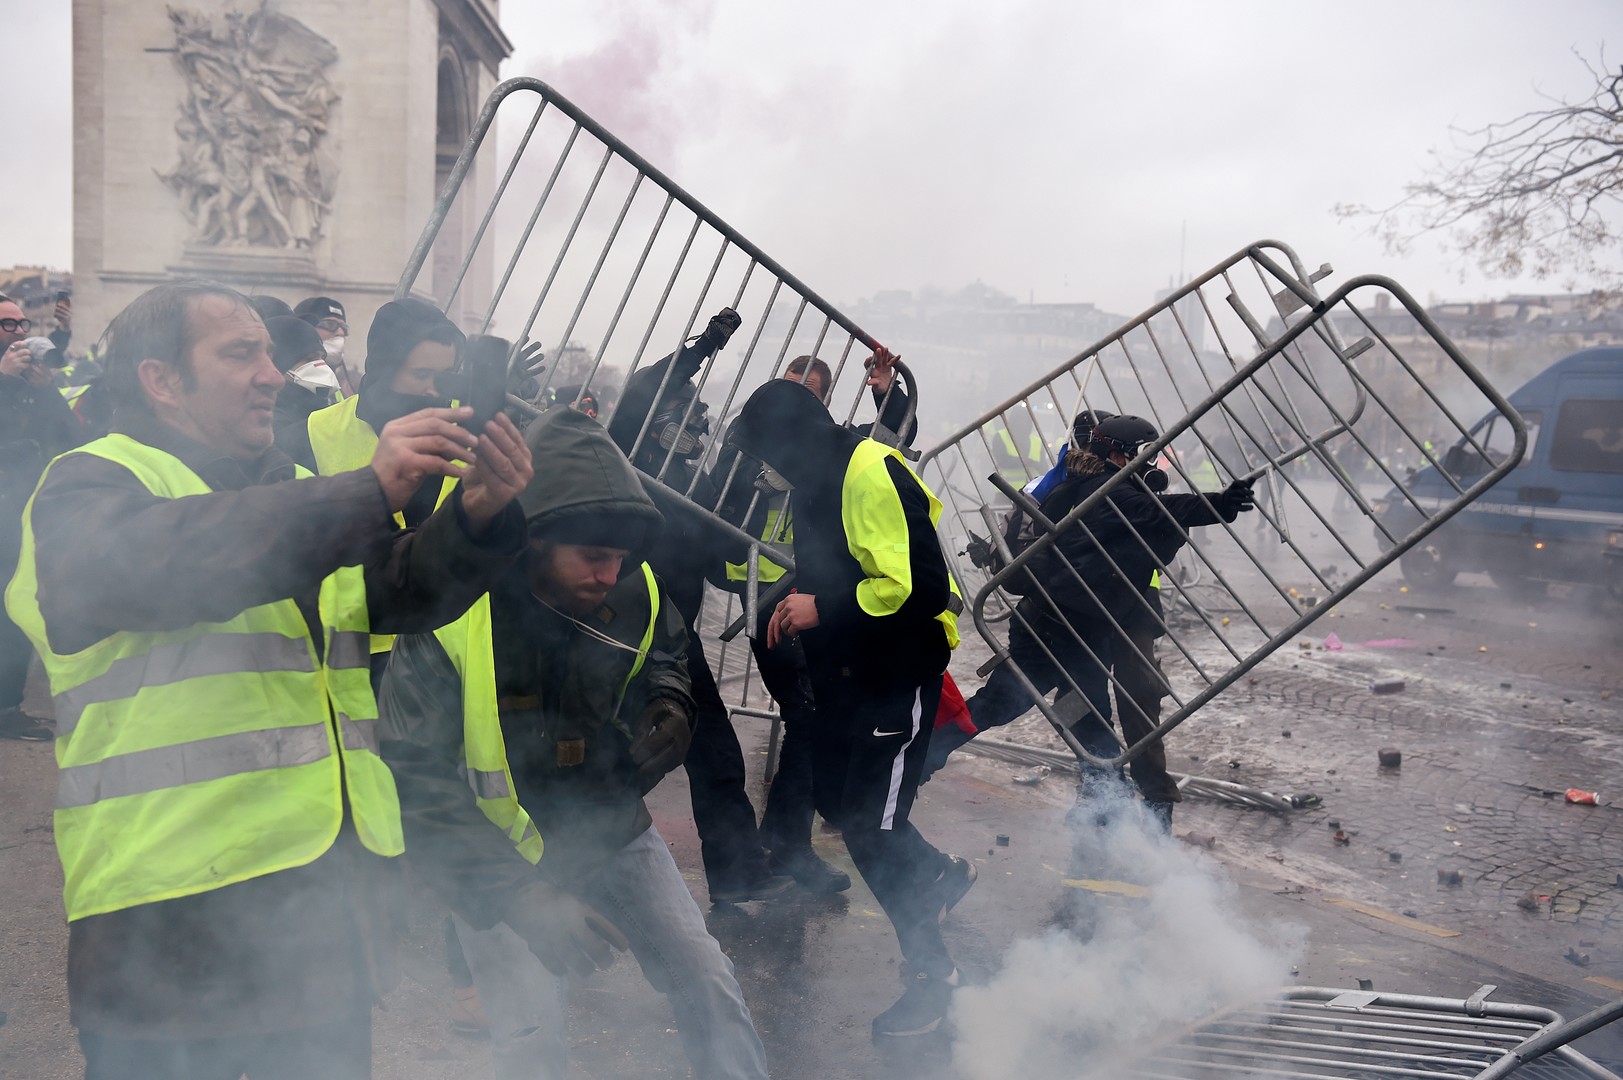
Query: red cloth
952, 709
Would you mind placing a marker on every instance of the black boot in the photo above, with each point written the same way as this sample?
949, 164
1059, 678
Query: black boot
808, 868
1161, 813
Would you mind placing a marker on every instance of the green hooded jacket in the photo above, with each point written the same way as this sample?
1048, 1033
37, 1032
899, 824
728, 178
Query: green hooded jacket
556, 682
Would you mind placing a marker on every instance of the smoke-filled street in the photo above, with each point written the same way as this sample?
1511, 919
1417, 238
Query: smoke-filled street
1480, 792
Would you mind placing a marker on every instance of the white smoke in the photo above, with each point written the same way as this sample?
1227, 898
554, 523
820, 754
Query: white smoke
1079, 1002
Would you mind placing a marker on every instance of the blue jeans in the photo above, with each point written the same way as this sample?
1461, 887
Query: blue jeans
642, 892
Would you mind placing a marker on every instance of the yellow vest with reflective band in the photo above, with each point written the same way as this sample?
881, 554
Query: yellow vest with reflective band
1203, 477
876, 535
343, 442
778, 529
192, 759
468, 643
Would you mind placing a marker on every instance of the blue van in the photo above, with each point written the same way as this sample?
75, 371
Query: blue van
1558, 517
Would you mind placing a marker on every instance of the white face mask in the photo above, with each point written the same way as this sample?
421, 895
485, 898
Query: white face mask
314, 375
334, 347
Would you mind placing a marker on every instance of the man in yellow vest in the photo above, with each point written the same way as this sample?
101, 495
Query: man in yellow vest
524, 737
876, 612
202, 614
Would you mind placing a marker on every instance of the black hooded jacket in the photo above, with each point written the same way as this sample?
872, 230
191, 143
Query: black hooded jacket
1134, 529
785, 425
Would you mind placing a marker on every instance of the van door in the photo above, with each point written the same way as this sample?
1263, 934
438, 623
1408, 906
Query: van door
1579, 492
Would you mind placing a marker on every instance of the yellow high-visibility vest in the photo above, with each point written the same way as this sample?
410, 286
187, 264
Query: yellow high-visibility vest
467, 641
192, 759
876, 535
343, 442
778, 529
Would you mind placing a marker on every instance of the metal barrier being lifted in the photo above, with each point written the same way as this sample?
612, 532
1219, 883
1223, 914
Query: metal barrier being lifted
574, 240
1329, 403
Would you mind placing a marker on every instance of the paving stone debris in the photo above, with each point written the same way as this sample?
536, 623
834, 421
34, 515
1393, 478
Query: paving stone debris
1390, 757
1451, 878
1387, 686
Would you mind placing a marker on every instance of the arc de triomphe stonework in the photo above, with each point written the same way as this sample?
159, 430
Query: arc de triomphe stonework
293, 147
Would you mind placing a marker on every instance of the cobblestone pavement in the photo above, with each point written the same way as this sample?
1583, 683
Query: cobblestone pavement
1505, 706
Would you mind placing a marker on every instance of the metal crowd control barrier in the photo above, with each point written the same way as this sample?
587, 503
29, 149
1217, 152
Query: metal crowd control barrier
572, 239
1314, 1032
1329, 403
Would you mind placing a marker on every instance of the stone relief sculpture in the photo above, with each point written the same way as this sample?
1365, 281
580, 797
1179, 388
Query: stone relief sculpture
255, 165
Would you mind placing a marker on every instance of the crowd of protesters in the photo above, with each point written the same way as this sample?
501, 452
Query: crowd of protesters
300, 616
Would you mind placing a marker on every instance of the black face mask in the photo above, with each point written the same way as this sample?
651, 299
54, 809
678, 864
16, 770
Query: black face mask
379, 405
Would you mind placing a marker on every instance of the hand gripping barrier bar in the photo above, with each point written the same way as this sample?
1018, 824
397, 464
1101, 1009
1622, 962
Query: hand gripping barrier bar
572, 239
1330, 432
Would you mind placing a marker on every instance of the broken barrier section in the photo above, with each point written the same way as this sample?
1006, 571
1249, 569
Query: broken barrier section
1326, 405
572, 239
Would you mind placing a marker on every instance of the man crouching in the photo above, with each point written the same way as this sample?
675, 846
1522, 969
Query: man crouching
542, 718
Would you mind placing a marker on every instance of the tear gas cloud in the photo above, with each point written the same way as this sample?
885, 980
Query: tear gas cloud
1126, 972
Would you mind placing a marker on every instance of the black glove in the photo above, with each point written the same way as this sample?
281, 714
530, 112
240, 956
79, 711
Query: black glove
980, 551
660, 741
527, 364
721, 327
1235, 499
567, 936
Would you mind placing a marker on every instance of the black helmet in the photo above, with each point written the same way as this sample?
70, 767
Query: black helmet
1122, 435
1082, 427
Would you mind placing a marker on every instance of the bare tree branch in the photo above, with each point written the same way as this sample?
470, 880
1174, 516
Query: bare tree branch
1538, 194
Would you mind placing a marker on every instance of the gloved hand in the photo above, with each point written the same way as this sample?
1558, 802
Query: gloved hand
1235, 499
660, 741
526, 366
721, 327
567, 936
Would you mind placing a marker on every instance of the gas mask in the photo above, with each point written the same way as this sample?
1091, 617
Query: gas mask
771, 481
669, 432
314, 375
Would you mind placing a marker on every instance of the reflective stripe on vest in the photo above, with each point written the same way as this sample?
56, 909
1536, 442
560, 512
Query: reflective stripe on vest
342, 442
467, 642
197, 758
876, 534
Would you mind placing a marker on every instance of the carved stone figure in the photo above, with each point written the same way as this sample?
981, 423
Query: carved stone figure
254, 169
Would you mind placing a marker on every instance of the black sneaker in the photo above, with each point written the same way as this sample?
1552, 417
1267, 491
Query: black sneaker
953, 883
809, 869
920, 1010
767, 887
16, 724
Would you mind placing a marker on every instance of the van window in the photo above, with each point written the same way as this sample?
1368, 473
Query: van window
1497, 438
1589, 436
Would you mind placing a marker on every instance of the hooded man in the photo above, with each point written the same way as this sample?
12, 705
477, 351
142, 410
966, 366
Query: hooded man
523, 739
410, 343
876, 612
757, 499
297, 353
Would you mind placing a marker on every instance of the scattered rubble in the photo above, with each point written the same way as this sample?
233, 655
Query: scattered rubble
1527, 902
1578, 958
1390, 757
1452, 878
1387, 686
1002, 840
1032, 776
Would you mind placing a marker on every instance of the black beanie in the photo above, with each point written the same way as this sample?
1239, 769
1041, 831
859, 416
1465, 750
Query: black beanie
399, 327
292, 341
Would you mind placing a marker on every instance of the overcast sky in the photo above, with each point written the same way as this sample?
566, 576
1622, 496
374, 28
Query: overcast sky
1053, 149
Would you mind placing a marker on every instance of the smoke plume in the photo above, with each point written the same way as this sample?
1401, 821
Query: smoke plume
1127, 971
